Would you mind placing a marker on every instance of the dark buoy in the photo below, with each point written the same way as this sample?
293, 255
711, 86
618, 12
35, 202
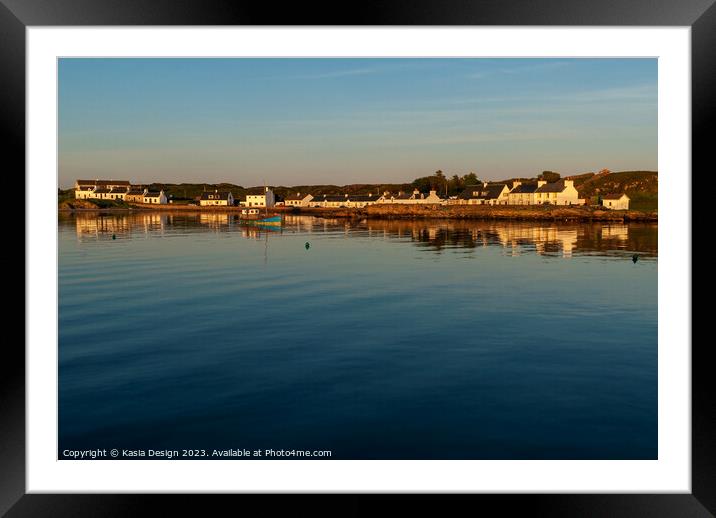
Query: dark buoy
308, 245
114, 236
634, 258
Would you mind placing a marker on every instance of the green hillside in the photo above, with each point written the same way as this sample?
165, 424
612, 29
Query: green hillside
642, 187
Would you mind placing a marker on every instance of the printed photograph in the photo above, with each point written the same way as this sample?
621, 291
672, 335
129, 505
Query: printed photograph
357, 258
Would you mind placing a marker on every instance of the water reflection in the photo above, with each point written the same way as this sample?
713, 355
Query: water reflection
515, 238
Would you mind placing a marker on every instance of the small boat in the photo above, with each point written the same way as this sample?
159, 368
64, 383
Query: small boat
255, 216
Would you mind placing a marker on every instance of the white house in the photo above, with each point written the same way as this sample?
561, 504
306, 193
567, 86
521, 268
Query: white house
561, 192
298, 200
616, 201
263, 197
317, 200
155, 198
485, 194
522, 193
117, 193
335, 200
135, 194
222, 198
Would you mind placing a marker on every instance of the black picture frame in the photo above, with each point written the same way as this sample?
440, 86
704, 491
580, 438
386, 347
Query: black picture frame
16, 15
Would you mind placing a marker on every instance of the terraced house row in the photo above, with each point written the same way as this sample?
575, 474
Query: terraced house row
561, 192
117, 190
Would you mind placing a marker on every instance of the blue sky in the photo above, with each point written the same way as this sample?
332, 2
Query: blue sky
339, 121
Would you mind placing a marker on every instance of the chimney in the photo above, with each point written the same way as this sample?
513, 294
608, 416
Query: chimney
569, 183
346, 195
386, 193
540, 183
415, 191
516, 184
433, 193
484, 185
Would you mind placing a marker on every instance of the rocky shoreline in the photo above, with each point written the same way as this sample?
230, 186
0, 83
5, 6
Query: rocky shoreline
395, 211
487, 212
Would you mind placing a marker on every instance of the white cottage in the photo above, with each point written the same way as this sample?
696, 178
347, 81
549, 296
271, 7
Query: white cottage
216, 198
561, 192
298, 200
155, 198
616, 201
263, 197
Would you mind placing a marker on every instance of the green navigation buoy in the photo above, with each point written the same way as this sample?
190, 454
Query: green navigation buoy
308, 245
634, 258
114, 236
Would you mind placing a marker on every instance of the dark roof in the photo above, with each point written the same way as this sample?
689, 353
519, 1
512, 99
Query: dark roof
469, 191
525, 188
136, 192
256, 191
215, 195
490, 192
119, 189
101, 191
102, 182
335, 197
362, 197
153, 194
613, 196
552, 187
403, 196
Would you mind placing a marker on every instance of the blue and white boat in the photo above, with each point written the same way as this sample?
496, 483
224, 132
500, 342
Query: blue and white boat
255, 216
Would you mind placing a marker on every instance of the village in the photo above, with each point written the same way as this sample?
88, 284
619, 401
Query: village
540, 192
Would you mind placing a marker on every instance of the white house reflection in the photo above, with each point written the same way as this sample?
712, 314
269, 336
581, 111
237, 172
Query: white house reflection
514, 237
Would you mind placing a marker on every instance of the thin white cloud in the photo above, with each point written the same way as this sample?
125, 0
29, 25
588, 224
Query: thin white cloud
536, 67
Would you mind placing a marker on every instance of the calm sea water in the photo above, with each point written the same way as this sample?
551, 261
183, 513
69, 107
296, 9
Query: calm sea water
381, 340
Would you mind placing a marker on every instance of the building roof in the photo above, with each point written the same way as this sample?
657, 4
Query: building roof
524, 188
557, 186
335, 197
135, 192
101, 191
102, 182
403, 196
614, 196
490, 192
215, 195
152, 194
362, 197
256, 191
296, 197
